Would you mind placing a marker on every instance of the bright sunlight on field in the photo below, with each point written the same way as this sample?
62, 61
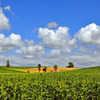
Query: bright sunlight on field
34, 70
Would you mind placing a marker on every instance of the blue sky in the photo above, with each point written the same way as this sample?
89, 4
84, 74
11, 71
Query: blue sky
50, 32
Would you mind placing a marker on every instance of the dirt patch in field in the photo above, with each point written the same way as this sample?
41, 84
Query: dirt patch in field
35, 70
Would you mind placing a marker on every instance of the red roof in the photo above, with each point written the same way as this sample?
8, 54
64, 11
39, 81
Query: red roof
54, 70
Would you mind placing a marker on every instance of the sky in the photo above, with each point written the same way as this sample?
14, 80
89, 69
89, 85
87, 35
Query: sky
50, 32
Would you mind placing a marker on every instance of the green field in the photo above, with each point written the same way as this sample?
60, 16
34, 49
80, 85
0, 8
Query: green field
7, 70
15, 67
80, 84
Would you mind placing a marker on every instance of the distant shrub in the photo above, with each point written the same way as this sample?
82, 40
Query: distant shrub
45, 69
28, 71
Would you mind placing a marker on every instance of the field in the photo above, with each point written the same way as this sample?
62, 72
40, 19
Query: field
7, 70
35, 70
80, 84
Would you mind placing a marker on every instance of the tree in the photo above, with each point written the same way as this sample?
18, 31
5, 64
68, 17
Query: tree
7, 64
71, 65
39, 67
45, 69
55, 67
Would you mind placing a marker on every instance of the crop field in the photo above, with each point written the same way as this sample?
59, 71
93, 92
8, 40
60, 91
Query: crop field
80, 84
35, 69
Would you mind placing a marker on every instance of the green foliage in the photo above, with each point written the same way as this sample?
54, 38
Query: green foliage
67, 66
55, 67
81, 84
71, 65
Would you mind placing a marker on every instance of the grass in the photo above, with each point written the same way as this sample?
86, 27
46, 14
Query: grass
22, 67
3, 69
95, 67
7, 70
16, 67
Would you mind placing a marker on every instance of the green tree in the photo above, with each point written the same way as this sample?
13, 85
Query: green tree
71, 65
45, 69
39, 67
55, 67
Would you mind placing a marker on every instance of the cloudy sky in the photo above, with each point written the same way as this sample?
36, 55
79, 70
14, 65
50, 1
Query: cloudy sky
50, 32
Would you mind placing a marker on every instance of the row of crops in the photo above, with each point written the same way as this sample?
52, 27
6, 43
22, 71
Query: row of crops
81, 84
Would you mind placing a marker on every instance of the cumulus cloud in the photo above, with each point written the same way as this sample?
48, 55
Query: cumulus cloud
90, 34
59, 52
58, 40
52, 25
59, 46
4, 21
31, 50
54, 53
54, 38
9, 43
79, 60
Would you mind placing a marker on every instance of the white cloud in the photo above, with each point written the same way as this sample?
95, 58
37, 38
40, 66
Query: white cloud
21, 61
87, 50
60, 47
7, 8
9, 43
90, 34
59, 40
31, 51
52, 25
29, 43
80, 60
73, 42
4, 21
55, 53
54, 38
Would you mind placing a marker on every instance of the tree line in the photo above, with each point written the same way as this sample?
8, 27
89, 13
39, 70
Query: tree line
71, 65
